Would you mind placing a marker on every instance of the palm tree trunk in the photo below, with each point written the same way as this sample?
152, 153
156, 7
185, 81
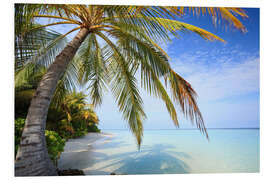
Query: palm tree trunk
32, 158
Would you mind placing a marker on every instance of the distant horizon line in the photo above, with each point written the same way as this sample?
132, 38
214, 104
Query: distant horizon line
188, 128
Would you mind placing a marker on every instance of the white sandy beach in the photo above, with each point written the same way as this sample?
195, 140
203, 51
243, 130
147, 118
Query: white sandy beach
84, 143
77, 150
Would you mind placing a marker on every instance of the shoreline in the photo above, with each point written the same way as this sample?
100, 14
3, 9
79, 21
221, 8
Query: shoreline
169, 153
86, 141
78, 148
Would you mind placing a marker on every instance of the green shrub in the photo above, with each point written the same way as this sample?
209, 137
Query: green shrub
73, 118
19, 124
92, 127
65, 129
54, 118
22, 102
55, 145
79, 130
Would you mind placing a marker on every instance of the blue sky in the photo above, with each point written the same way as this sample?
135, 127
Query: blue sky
224, 75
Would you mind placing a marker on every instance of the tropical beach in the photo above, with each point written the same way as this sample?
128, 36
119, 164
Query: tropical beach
164, 152
127, 90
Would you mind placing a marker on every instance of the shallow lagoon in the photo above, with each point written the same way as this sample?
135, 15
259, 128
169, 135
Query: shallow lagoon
164, 152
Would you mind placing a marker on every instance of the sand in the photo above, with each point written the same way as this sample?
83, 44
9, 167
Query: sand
77, 150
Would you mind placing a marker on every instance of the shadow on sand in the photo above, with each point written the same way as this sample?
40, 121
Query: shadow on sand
154, 159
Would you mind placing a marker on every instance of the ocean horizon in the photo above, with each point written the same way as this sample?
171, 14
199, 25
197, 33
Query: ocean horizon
177, 151
183, 128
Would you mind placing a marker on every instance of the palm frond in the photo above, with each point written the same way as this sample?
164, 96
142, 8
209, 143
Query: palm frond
29, 46
228, 14
173, 26
24, 18
36, 56
92, 69
136, 45
131, 37
67, 84
125, 91
186, 97
154, 64
60, 17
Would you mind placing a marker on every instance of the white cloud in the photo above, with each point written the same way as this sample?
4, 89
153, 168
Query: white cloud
223, 77
218, 79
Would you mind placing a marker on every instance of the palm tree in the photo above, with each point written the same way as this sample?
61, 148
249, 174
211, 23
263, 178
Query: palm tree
76, 108
130, 37
78, 112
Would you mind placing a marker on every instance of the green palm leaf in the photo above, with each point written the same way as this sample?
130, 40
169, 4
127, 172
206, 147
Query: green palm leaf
154, 64
92, 69
125, 91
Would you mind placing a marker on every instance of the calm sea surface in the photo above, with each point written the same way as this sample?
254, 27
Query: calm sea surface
166, 152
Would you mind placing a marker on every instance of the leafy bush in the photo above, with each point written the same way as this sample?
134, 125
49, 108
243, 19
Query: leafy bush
79, 133
22, 102
19, 124
55, 145
65, 129
73, 118
77, 117
92, 127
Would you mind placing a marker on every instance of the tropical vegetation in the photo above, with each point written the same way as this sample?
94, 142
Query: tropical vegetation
55, 143
114, 43
74, 119
70, 118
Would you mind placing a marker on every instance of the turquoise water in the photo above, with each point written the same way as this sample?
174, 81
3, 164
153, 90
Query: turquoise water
169, 152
